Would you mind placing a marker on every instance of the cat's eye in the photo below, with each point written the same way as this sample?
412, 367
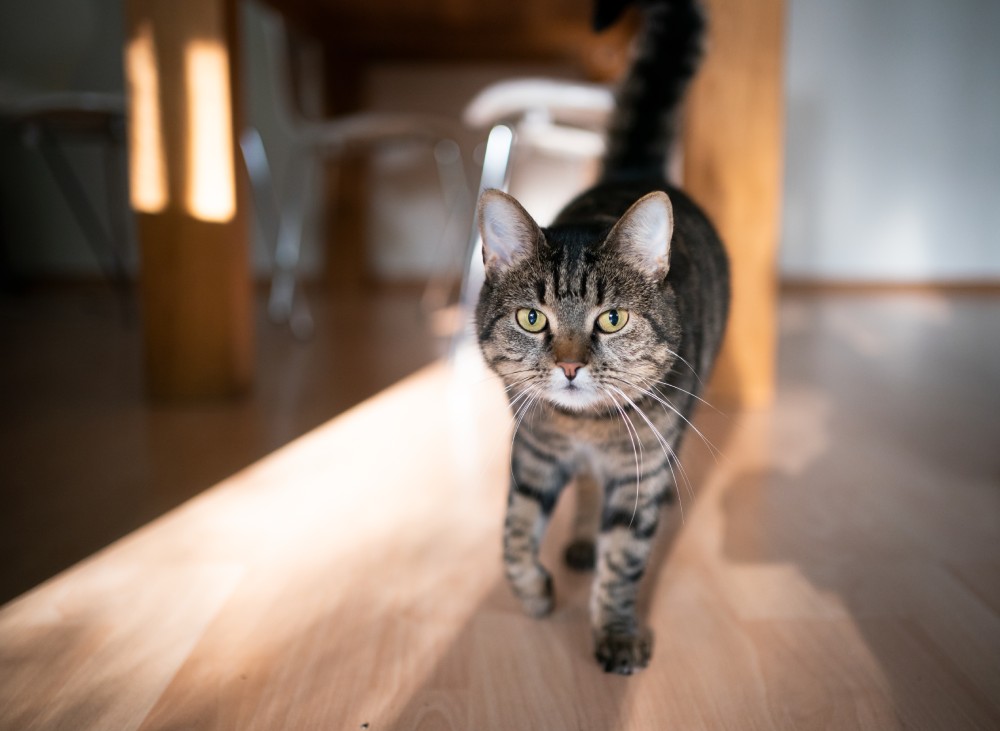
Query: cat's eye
611, 321
531, 320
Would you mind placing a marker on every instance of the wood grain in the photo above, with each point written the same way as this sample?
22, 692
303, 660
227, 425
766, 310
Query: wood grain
834, 568
474, 31
733, 151
194, 273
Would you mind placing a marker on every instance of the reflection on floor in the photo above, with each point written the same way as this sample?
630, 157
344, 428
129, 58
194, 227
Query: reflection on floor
86, 459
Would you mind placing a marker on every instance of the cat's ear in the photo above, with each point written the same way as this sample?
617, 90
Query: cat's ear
509, 233
644, 233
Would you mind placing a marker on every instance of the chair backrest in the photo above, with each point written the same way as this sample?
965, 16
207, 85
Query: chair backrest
565, 101
282, 84
59, 62
563, 117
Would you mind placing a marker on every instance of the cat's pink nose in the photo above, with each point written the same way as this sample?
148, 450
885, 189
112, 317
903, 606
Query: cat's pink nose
570, 369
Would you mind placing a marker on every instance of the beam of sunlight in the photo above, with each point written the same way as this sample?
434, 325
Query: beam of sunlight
148, 173
211, 194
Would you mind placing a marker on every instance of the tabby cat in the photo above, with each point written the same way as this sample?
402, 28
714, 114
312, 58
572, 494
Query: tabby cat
610, 317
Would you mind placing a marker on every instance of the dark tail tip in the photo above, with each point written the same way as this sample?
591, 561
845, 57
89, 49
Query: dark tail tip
607, 13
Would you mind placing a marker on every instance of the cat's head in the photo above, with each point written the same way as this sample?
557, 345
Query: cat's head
578, 316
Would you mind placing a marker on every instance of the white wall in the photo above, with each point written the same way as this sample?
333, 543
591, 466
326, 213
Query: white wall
892, 167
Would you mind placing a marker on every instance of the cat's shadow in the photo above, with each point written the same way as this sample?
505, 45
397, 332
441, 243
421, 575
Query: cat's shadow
505, 670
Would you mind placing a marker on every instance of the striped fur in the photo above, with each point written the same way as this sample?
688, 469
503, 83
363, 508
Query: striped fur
615, 427
667, 55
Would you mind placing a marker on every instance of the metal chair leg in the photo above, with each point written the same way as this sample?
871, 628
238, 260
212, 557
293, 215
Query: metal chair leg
288, 247
496, 174
258, 169
76, 197
122, 233
282, 233
455, 196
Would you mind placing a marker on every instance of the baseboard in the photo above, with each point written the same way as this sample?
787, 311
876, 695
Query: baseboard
843, 286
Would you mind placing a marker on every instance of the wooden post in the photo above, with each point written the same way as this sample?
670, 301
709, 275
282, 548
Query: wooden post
733, 143
181, 65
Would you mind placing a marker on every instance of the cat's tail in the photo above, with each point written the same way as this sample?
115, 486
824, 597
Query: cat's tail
643, 124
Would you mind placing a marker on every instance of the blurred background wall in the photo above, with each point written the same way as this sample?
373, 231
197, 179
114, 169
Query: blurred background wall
892, 170
892, 158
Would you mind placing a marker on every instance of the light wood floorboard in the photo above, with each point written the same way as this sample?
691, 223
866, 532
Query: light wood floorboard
835, 567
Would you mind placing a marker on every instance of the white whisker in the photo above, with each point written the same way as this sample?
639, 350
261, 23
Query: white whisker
684, 474
535, 393
494, 375
518, 383
630, 427
650, 381
678, 357
668, 451
662, 400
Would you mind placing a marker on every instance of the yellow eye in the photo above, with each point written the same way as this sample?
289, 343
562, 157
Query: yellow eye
612, 321
531, 320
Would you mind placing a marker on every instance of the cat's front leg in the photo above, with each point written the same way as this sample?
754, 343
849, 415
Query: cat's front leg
621, 644
537, 480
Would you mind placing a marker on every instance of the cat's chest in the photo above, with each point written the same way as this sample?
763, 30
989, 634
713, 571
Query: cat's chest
588, 441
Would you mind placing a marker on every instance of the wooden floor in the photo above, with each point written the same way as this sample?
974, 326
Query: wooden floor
87, 458
837, 567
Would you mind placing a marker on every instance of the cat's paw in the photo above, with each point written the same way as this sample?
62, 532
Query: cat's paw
623, 653
580, 555
538, 598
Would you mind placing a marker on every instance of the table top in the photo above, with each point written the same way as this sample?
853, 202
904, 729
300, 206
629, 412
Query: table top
491, 31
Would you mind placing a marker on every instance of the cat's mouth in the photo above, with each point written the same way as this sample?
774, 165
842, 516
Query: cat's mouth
578, 394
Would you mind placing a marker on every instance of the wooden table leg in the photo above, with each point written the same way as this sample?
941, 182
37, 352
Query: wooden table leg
733, 144
192, 208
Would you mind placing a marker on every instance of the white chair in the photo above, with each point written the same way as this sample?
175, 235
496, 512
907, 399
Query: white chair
559, 118
313, 142
47, 121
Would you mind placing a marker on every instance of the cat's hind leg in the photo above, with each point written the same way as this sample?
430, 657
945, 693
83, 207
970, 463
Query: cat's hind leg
581, 553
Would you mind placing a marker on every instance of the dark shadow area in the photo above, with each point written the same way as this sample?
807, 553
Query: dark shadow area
894, 519
506, 670
87, 457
